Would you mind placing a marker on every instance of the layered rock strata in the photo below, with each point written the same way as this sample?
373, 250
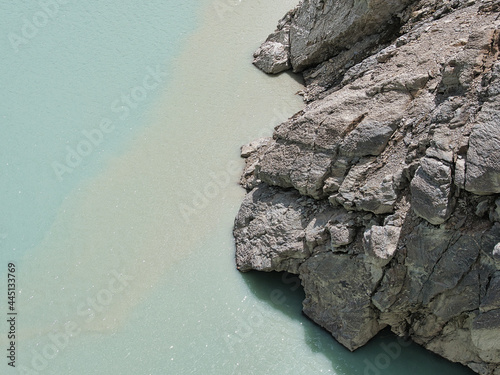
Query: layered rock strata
383, 194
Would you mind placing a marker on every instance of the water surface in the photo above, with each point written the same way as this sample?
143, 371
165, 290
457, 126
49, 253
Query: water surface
126, 263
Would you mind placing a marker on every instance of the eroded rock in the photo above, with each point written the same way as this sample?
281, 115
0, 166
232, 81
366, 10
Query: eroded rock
382, 194
483, 159
341, 285
431, 191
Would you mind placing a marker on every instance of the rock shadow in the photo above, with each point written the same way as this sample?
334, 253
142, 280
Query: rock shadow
384, 354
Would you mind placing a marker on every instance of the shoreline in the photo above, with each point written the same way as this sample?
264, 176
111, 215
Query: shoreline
101, 227
382, 194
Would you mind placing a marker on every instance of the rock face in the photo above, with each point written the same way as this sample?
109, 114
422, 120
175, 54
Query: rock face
383, 193
305, 36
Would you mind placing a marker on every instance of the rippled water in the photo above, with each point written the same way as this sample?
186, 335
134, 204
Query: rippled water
122, 124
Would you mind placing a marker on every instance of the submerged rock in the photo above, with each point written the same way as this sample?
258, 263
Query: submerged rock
383, 193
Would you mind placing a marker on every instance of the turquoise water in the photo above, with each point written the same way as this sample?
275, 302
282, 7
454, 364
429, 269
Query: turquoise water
124, 254
64, 77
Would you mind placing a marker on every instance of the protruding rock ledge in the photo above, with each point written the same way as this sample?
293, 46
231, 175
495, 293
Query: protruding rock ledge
383, 193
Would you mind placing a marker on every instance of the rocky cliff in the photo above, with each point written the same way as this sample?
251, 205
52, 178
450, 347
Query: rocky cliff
383, 194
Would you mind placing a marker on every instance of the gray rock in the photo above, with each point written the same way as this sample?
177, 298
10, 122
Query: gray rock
270, 230
251, 153
277, 230
483, 156
431, 191
482, 208
454, 342
453, 264
491, 300
490, 245
370, 193
254, 146
492, 81
378, 195
340, 284
381, 243
495, 213
293, 165
458, 300
485, 332
273, 56
425, 246
341, 235
368, 138
354, 20
390, 287
375, 194
460, 173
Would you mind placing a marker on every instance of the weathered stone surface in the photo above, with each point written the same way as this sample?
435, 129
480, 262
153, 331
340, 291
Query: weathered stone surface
495, 212
454, 342
273, 56
270, 230
312, 38
277, 230
293, 165
431, 191
458, 300
483, 157
455, 262
368, 138
490, 246
251, 153
341, 235
491, 300
361, 190
253, 147
390, 287
425, 246
381, 243
382, 194
485, 333
341, 286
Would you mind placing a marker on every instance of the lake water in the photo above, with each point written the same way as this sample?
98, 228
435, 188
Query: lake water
122, 123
